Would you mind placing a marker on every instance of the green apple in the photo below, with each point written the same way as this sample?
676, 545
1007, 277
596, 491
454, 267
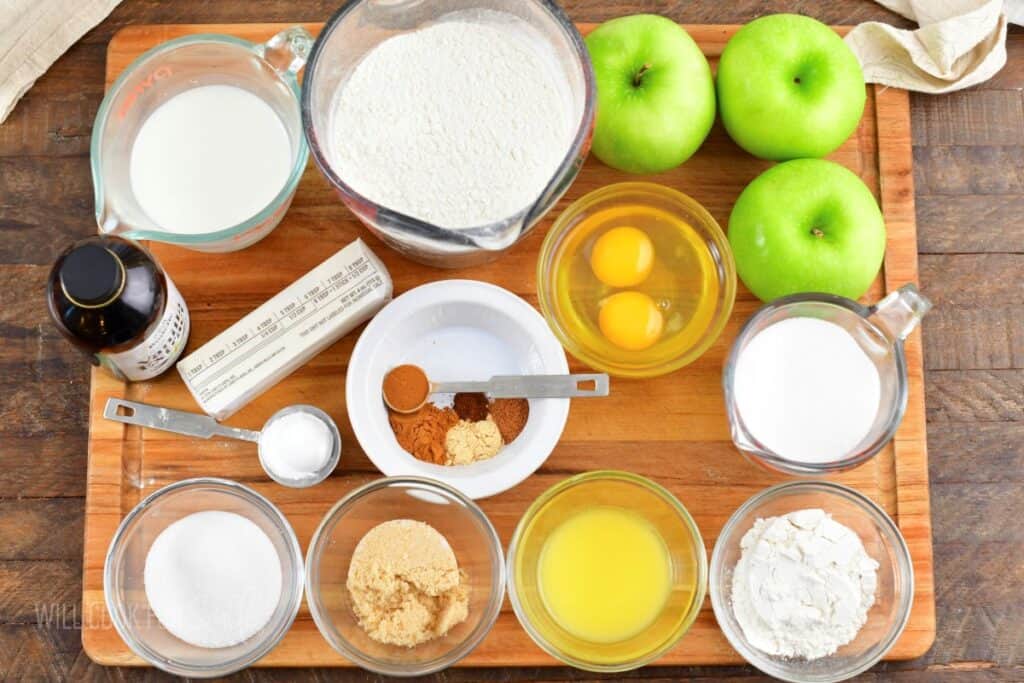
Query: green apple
655, 94
807, 225
789, 88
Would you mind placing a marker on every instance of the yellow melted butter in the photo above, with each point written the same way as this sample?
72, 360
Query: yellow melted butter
605, 574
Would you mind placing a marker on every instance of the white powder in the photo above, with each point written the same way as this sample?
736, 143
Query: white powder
213, 578
459, 124
806, 390
296, 445
803, 585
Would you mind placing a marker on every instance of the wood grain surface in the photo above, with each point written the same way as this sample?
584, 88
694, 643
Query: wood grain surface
683, 443
968, 158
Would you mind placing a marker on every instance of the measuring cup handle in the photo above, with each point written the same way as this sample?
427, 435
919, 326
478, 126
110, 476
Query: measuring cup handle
287, 51
900, 312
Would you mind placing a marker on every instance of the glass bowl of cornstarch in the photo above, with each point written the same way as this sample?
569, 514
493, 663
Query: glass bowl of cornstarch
811, 582
449, 127
203, 577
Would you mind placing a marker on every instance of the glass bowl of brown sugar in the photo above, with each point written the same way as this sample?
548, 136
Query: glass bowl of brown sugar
436, 531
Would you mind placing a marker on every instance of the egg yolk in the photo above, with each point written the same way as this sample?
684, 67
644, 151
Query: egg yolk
630, 320
622, 257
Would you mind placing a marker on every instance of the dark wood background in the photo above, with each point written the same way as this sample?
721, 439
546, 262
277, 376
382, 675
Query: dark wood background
969, 174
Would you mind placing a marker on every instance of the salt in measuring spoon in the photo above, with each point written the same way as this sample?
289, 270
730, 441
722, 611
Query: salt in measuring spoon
205, 427
501, 386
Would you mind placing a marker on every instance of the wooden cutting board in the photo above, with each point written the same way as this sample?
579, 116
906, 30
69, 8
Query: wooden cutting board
672, 428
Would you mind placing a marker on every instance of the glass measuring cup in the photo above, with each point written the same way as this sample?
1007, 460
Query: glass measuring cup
878, 330
356, 29
268, 70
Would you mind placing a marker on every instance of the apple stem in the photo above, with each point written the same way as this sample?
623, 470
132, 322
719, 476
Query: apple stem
817, 232
640, 75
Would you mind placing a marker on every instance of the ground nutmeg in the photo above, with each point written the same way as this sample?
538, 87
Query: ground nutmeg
510, 414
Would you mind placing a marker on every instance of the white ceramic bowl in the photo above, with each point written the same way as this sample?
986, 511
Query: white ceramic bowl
457, 330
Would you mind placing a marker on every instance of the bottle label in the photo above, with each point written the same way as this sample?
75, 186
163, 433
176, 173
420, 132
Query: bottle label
161, 347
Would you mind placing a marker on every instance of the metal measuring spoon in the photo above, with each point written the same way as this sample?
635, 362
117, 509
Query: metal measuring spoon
509, 386
205, 427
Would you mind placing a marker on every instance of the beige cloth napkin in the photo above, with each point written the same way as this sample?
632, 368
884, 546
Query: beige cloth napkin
959, 43
34, 33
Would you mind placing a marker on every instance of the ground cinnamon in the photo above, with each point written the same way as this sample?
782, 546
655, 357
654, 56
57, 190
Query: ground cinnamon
406, 387
423, 433
510, 414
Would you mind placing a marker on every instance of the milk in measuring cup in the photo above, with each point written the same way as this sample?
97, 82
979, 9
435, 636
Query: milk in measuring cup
806, 390
209, 158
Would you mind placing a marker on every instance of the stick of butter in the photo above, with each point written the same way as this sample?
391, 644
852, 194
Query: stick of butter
284, 333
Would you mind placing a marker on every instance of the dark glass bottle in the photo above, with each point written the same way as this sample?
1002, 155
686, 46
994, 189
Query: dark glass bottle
111, 299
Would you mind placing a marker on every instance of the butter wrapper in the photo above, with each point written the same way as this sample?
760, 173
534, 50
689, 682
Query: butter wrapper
284, 333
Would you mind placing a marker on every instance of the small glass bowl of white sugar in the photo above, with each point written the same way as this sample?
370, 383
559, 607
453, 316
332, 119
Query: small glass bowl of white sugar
788, 602
203, 577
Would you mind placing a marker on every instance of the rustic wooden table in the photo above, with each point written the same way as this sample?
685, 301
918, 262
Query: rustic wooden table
969, 174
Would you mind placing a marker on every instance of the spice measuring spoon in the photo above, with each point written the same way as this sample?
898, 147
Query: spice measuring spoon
205, 427
583, 385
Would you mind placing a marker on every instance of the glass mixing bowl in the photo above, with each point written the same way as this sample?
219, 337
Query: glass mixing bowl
629, 492
564, 297
468, 531
354, 30
125, 593
882, 541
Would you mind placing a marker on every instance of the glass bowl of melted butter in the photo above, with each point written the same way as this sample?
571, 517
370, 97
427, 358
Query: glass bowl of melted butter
607, 571
636, 279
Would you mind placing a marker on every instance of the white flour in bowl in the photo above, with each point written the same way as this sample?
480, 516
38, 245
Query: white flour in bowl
459, 124
803, 586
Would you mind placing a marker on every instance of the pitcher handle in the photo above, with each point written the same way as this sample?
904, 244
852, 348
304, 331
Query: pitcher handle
287, 51
900, 311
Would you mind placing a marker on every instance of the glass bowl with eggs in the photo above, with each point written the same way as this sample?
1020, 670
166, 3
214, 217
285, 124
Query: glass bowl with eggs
636, 279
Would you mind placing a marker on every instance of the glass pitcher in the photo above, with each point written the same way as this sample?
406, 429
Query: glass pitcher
358, 27
267, 70
879, 330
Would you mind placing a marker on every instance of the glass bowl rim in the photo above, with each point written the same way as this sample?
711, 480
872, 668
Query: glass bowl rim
682, 514
488, 619
424, 229
707, 226
871, 509
138, 512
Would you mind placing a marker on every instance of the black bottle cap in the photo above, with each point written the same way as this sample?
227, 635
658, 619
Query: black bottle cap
91, 275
